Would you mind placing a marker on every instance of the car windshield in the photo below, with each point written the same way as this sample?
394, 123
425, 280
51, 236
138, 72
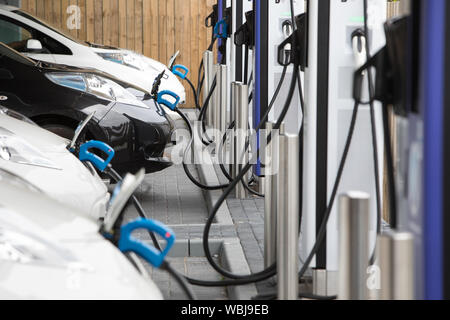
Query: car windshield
13, 54
47, 25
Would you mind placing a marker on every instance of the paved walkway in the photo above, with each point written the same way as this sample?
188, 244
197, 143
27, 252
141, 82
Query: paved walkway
171, 198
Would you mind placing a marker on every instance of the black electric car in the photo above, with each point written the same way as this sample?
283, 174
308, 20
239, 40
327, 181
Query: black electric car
58, 97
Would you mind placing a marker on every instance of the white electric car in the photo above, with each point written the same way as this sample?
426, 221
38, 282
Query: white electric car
35, 38
51, 252
41, 158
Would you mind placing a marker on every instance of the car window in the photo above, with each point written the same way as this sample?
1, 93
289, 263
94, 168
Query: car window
13, 35
6, 51
46, 25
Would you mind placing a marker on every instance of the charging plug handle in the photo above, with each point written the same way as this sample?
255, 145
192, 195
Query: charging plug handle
128, 243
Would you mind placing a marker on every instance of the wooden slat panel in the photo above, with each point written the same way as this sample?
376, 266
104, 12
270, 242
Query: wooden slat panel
31, 6
74, 31
98, 21
154, 32
25, 5
130, 24
107, 32
195, 44
57, 14
48, 11
170, 30
162, 30
82, 32
114, 22
123, 23
64, 15
90, 20
40, 8
138, 32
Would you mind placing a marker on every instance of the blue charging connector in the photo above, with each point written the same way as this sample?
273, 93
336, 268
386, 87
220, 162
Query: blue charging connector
128, 243
176, 71
166, 102
98, 162
221, 29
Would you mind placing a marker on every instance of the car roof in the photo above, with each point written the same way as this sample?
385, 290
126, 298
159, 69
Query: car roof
8, 7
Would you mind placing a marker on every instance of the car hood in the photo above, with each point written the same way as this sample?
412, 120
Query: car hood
40, 213
79, 261
43, 140
66, 179
145, 72
137, 60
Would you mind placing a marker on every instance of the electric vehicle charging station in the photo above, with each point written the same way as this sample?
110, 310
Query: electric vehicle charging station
324, 173
273, 26
419, 100
329, 106
239, 11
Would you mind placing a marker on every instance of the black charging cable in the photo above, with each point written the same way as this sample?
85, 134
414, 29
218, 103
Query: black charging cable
374, 130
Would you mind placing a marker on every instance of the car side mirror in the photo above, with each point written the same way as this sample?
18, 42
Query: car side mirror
34, 45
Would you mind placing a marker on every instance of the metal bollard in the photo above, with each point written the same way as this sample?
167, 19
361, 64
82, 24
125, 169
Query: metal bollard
220, 112
240, 154
235, 109
353, 245
271, 194
231, 134
396, 260
288, 218
208, 65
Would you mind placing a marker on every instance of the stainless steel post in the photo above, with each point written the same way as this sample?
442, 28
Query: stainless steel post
241, 134
353, 245
271, 166
288, 218
396, 261
235, 110
208, 65
220, 113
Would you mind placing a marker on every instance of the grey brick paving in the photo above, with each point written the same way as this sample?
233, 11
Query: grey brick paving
197, 268
169, 197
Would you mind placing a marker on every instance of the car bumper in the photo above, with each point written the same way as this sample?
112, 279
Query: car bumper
147, 134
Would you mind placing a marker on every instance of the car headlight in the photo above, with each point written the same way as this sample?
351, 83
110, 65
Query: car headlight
22, 246
96, 85
17, 150
122, 58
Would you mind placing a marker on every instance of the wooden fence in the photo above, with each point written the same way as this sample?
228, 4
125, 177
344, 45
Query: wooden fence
156, 28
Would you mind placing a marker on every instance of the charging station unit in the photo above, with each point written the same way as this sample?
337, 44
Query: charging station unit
329, 107
234, 12
409, 137
424, 139
239, 9
272, 24
270, 19
435, 85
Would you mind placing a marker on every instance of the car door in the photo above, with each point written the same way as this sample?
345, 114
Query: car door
16, 35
